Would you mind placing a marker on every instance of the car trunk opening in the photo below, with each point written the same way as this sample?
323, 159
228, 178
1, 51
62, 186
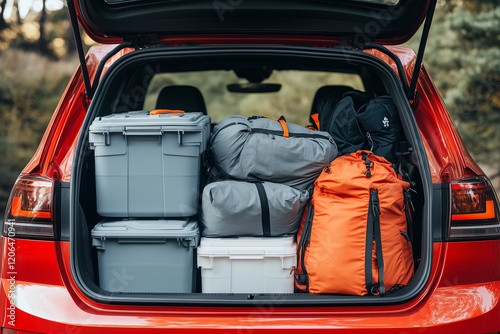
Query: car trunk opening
135, 83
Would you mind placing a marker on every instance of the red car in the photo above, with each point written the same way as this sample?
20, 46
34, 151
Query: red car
48, 265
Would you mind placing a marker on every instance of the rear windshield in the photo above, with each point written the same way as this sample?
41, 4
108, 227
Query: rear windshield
293, 100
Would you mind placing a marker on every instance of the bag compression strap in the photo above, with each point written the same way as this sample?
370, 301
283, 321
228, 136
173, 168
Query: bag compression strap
369, 248
303, 279
378, 242
373, 233
406, 169
264, 207
409, 221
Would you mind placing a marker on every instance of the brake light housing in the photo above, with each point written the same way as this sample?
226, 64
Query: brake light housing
474, 210
30, 210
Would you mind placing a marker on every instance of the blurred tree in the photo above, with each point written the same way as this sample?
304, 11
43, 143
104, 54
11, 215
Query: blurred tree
3, 23
42, 42
19, 20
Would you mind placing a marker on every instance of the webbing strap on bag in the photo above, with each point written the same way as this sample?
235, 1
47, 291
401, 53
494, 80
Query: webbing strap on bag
409, 221
369, 248
264, 207
373, 233
378, 241
303, 279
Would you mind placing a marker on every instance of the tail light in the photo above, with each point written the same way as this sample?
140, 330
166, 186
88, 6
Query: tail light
29, 211
475, 210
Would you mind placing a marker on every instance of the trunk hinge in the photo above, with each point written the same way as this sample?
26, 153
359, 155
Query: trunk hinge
79, 47
421, 49
136, 42
409, 88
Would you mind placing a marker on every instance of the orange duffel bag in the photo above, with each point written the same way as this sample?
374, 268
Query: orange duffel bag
353, 238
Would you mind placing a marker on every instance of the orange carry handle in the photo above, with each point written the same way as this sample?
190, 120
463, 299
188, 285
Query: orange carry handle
285, 128
165, 111
315, 118
282, 122
283, 125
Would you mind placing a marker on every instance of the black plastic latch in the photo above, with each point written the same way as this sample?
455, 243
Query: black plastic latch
140, 41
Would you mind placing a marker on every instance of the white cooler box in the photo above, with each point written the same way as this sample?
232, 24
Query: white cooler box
148, 165
247, 265
146, 255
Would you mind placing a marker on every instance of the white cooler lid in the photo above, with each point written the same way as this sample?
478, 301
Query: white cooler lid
268, 246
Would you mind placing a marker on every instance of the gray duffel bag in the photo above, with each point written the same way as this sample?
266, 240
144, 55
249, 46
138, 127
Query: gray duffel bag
265, 149
234, 208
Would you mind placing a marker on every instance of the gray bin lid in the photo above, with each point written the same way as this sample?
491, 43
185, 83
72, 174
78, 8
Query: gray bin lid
123, 229
122, 121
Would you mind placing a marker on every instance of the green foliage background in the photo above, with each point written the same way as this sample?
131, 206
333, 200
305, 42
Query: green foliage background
462, 57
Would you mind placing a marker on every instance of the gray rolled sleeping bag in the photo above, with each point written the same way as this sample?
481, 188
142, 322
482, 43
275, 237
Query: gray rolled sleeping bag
234, 208
255, 149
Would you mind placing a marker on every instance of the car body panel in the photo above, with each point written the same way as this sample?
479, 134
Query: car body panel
461, 295
450, 301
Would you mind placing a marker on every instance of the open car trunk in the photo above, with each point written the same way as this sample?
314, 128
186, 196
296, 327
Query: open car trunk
129, 84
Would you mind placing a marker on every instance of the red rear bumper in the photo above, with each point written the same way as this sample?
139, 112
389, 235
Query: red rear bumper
462, 296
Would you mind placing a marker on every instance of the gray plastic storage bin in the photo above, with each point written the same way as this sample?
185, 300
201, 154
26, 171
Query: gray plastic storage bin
146, 255
148, 165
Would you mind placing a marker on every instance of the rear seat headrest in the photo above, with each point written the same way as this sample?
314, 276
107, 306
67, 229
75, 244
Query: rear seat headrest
187, 98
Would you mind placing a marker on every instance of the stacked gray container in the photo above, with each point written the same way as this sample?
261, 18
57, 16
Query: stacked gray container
148, 174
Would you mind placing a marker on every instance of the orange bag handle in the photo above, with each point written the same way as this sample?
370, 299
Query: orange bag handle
315, 118
165, 111
282, 121
285, 128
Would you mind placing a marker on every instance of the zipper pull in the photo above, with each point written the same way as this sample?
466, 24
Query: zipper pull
369, 136
368, 164
404, 234
408, 199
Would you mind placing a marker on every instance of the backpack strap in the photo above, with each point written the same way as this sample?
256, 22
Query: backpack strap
409, 221
369, 250
378, 242
303, 279
406, 169
373, 233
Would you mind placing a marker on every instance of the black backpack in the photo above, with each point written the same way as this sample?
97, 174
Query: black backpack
337, 116
358, 122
